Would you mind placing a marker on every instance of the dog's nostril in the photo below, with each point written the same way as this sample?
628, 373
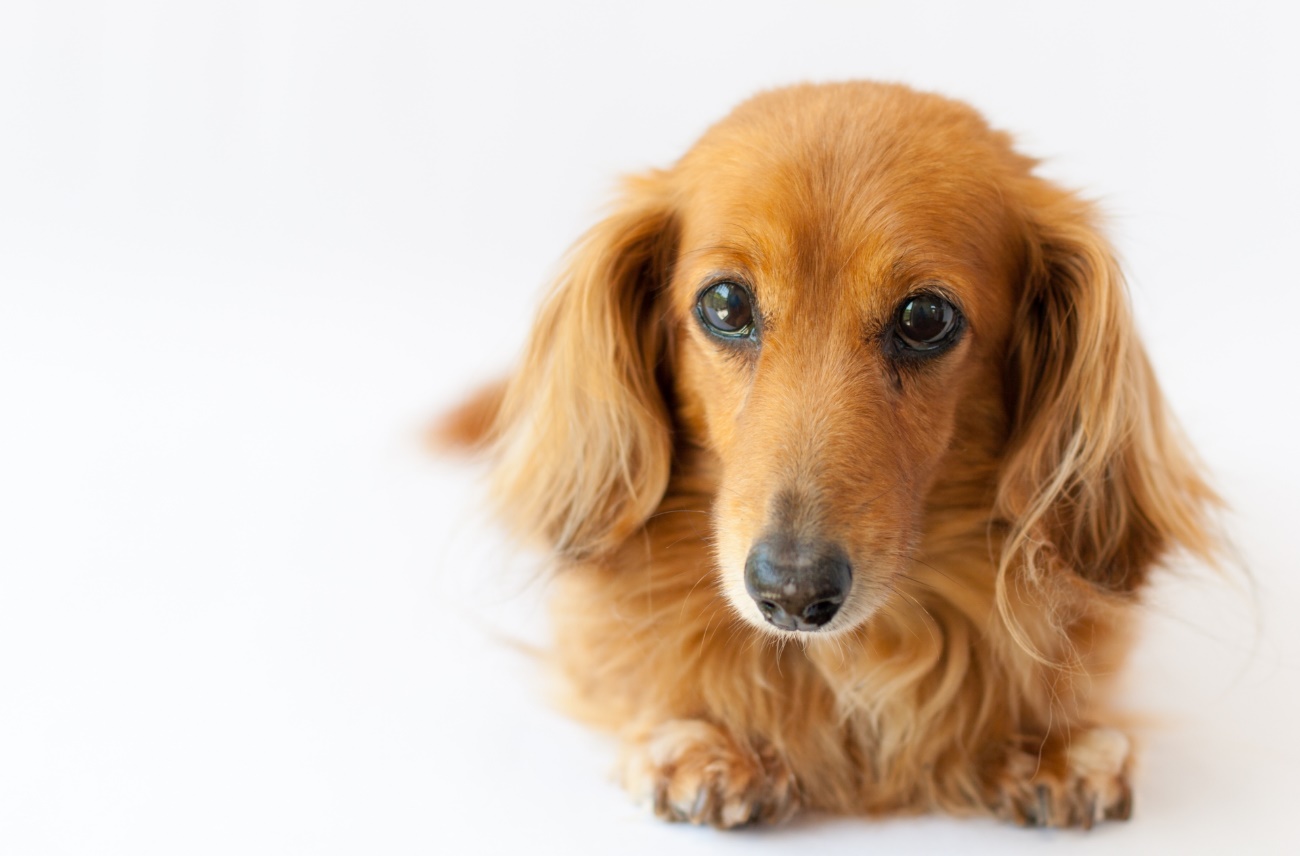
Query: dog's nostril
821, 612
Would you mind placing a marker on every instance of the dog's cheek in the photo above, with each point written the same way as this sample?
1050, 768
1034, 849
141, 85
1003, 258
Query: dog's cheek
709, 392
732, 541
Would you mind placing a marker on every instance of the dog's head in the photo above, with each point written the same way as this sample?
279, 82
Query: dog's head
854, 311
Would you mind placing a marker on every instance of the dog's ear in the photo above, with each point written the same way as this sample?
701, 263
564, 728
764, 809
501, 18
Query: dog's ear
1098, 479
582, 443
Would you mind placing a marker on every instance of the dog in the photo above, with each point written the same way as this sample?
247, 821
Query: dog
853, 470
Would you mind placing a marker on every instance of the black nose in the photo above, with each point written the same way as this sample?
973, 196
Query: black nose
797, 585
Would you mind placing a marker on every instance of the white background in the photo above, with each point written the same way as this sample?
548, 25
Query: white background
247, 249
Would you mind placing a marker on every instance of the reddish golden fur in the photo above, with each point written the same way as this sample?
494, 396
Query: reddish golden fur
1001, 507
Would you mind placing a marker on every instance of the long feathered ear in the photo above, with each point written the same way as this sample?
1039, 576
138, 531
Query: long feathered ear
1098, 479
582, 443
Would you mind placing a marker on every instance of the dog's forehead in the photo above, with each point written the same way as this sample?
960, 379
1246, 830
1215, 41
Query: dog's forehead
855, 199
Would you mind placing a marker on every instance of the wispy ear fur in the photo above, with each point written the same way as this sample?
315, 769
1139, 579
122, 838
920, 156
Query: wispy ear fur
1098, 480
582, 444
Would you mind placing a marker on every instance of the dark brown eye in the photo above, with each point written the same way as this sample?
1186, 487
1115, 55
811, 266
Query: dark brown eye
926, 322
727, 309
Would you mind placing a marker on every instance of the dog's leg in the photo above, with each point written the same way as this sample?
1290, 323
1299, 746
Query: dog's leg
1077, 781
690, 770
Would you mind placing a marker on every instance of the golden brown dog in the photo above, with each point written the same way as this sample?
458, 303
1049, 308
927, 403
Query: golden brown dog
849, 376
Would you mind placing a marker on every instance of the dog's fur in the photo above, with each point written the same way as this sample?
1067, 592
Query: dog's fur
1002, 505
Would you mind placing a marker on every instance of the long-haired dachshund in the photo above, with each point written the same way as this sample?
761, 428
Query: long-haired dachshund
853, 468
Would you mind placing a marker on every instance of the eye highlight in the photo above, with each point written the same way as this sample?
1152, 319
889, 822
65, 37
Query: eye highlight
727, 309
927, 322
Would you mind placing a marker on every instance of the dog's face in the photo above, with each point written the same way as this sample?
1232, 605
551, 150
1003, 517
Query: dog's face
851, 318
840, 301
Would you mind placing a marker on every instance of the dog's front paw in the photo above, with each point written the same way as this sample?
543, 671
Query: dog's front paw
1079, 783
692, 771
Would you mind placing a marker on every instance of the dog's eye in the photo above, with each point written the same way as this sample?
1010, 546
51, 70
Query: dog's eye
727, 309
926, 322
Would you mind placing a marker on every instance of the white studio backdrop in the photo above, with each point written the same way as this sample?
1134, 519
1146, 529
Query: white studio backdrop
248, 249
